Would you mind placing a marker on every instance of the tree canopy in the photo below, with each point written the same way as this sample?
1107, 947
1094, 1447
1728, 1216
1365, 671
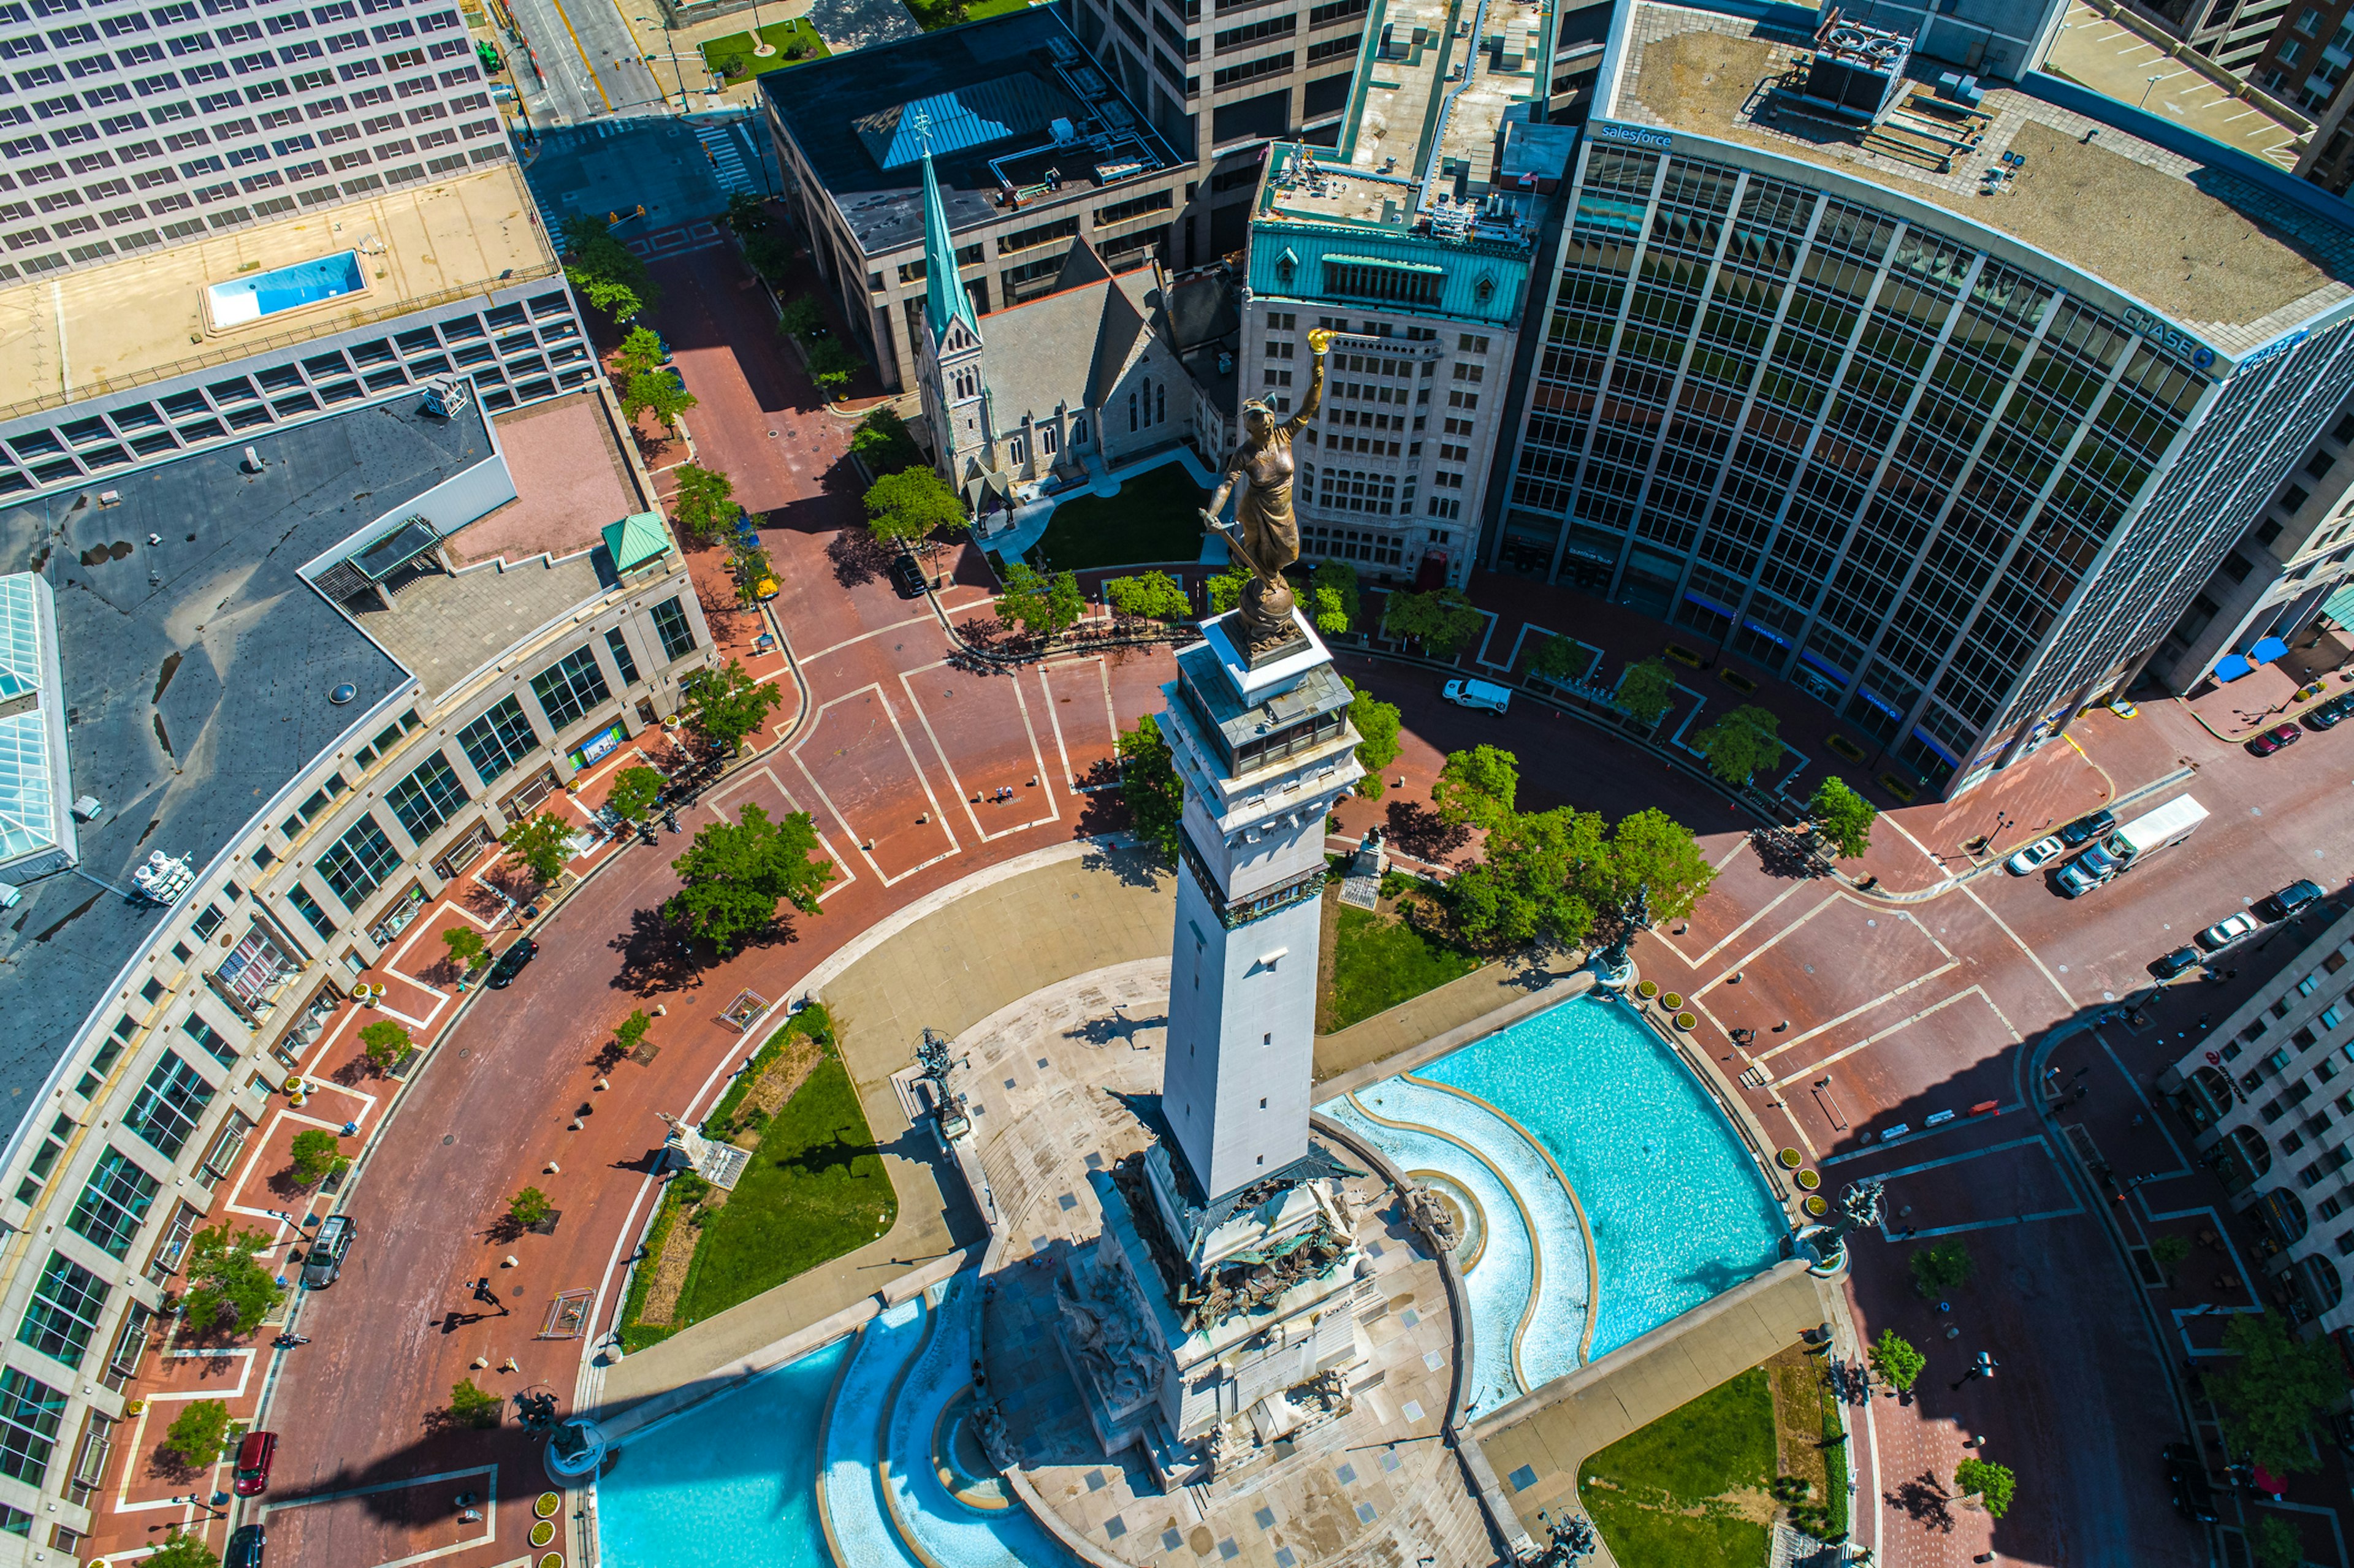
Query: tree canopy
882, 444
1226, 587
1376, 723
911, 504
725, 705
541, 842
1477, 787
658, 392
197, 1433
180, 1551
634, 792
1154, 594
736, 873
640, 351
1842, 817
1149, 782
2272, 1542
1992, 1484
384, 1042
603, 271
317, 1154
1741, 744
2273, 1391
703, 503
1040, 605
1442, 620
228, 1287
1646, 689
1533, 881
1653, 849
1556, 658
1895, 1360
1333, 594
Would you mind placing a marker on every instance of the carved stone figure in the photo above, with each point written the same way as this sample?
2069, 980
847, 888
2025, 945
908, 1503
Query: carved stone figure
989, 1425
1428, 1212
1101, 1328
1264, 535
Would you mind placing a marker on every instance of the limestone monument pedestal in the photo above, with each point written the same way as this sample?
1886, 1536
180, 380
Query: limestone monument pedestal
1217, 1309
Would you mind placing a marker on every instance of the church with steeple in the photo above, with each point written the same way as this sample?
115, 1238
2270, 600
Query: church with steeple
1073, 380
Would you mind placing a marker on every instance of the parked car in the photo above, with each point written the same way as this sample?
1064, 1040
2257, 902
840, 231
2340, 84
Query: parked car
325, 1263
2226, 931
908, 576
510, 963
2175, 962
2272, 739
253, 1456
2325, 715
2123, 708
2034, 855
1483, 694
244, 1548
2288, 900
2084, 828
2186, 1480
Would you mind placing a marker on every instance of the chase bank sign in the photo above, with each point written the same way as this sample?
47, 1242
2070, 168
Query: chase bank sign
1634, 136
2168, 336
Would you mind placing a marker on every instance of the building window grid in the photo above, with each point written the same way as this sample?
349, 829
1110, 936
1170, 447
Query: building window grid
428, 797
63, 1313
360, 861
570, 687
113, 1203
30, 1413
671, 624
168, 1104
495, 741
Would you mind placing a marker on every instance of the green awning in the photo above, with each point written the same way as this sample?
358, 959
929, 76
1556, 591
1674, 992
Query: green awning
2340, 606
636, 540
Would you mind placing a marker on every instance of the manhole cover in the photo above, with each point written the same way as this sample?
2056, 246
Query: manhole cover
448, 1137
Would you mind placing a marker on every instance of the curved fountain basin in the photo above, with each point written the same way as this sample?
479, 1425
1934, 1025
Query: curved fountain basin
1679, 1210
739, 1468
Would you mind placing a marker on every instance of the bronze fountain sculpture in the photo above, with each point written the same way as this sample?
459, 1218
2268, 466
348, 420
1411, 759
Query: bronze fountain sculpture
1264, 537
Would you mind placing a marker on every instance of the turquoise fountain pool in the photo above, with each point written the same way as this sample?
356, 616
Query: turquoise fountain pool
1584, 1094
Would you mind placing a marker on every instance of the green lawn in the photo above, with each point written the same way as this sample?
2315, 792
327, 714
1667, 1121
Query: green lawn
1156, 517
732, 56
1664, 1495
815, 1189
1379, 962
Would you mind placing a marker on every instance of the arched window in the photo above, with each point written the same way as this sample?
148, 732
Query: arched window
1015, 452
1078, 432
1147, 399
1131, 413
1047, 439
1161, 404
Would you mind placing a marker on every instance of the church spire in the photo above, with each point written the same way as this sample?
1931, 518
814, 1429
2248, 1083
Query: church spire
945, 300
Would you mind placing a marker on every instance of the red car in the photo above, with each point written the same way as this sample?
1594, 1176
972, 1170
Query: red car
253, 1456
2272, 739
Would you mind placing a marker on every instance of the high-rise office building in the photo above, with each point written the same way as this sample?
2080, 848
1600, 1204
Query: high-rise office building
1938, 395
1411, 240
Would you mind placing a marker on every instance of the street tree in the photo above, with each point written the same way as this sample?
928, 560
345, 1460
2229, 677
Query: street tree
529, 1207
1895, 1360
1531, 882
471, 1406
1149, 784
1652, 850
882, 442
831, 366
1941, 1266
911, 505
180, 1551
603, 271
541, 843
1741, 744
724, 705
1226, 587
1842, 818
1442, 620
197, 1433
1991, 1483
1154, 594
1334, 585
1557, 658
1040, 605
384, 1041
634, 792
2271, 1394
2272, 1542
1376, 724
657, 392
1645, 691
2169, 1250
467, 948
736, 873
746, 212
640, 351
703, 504
801, 316
631, 1030
318, 1155
1477, 787
228, 1287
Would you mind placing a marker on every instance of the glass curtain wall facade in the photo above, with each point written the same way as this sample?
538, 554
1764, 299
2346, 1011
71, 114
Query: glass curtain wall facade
1946, 496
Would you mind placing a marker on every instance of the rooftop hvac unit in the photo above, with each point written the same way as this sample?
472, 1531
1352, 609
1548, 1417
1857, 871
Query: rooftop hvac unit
1857, 70
446, 397
163, 878
86, 808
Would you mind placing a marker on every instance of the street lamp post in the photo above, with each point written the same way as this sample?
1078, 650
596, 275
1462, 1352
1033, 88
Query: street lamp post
670, 47
761, 48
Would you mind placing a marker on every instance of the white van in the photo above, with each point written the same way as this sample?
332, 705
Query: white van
1482, 695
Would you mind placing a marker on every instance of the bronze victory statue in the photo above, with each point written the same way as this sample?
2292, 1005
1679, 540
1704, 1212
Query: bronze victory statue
1264, 535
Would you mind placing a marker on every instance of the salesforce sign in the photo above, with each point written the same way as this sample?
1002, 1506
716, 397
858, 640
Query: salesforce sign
1634, 136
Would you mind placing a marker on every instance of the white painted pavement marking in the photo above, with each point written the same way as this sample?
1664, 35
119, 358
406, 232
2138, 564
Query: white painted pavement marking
490, 1509
921, 777
1906, 1021
964, 797
2038, 1139
1971, 894
1794, 888
843, 875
